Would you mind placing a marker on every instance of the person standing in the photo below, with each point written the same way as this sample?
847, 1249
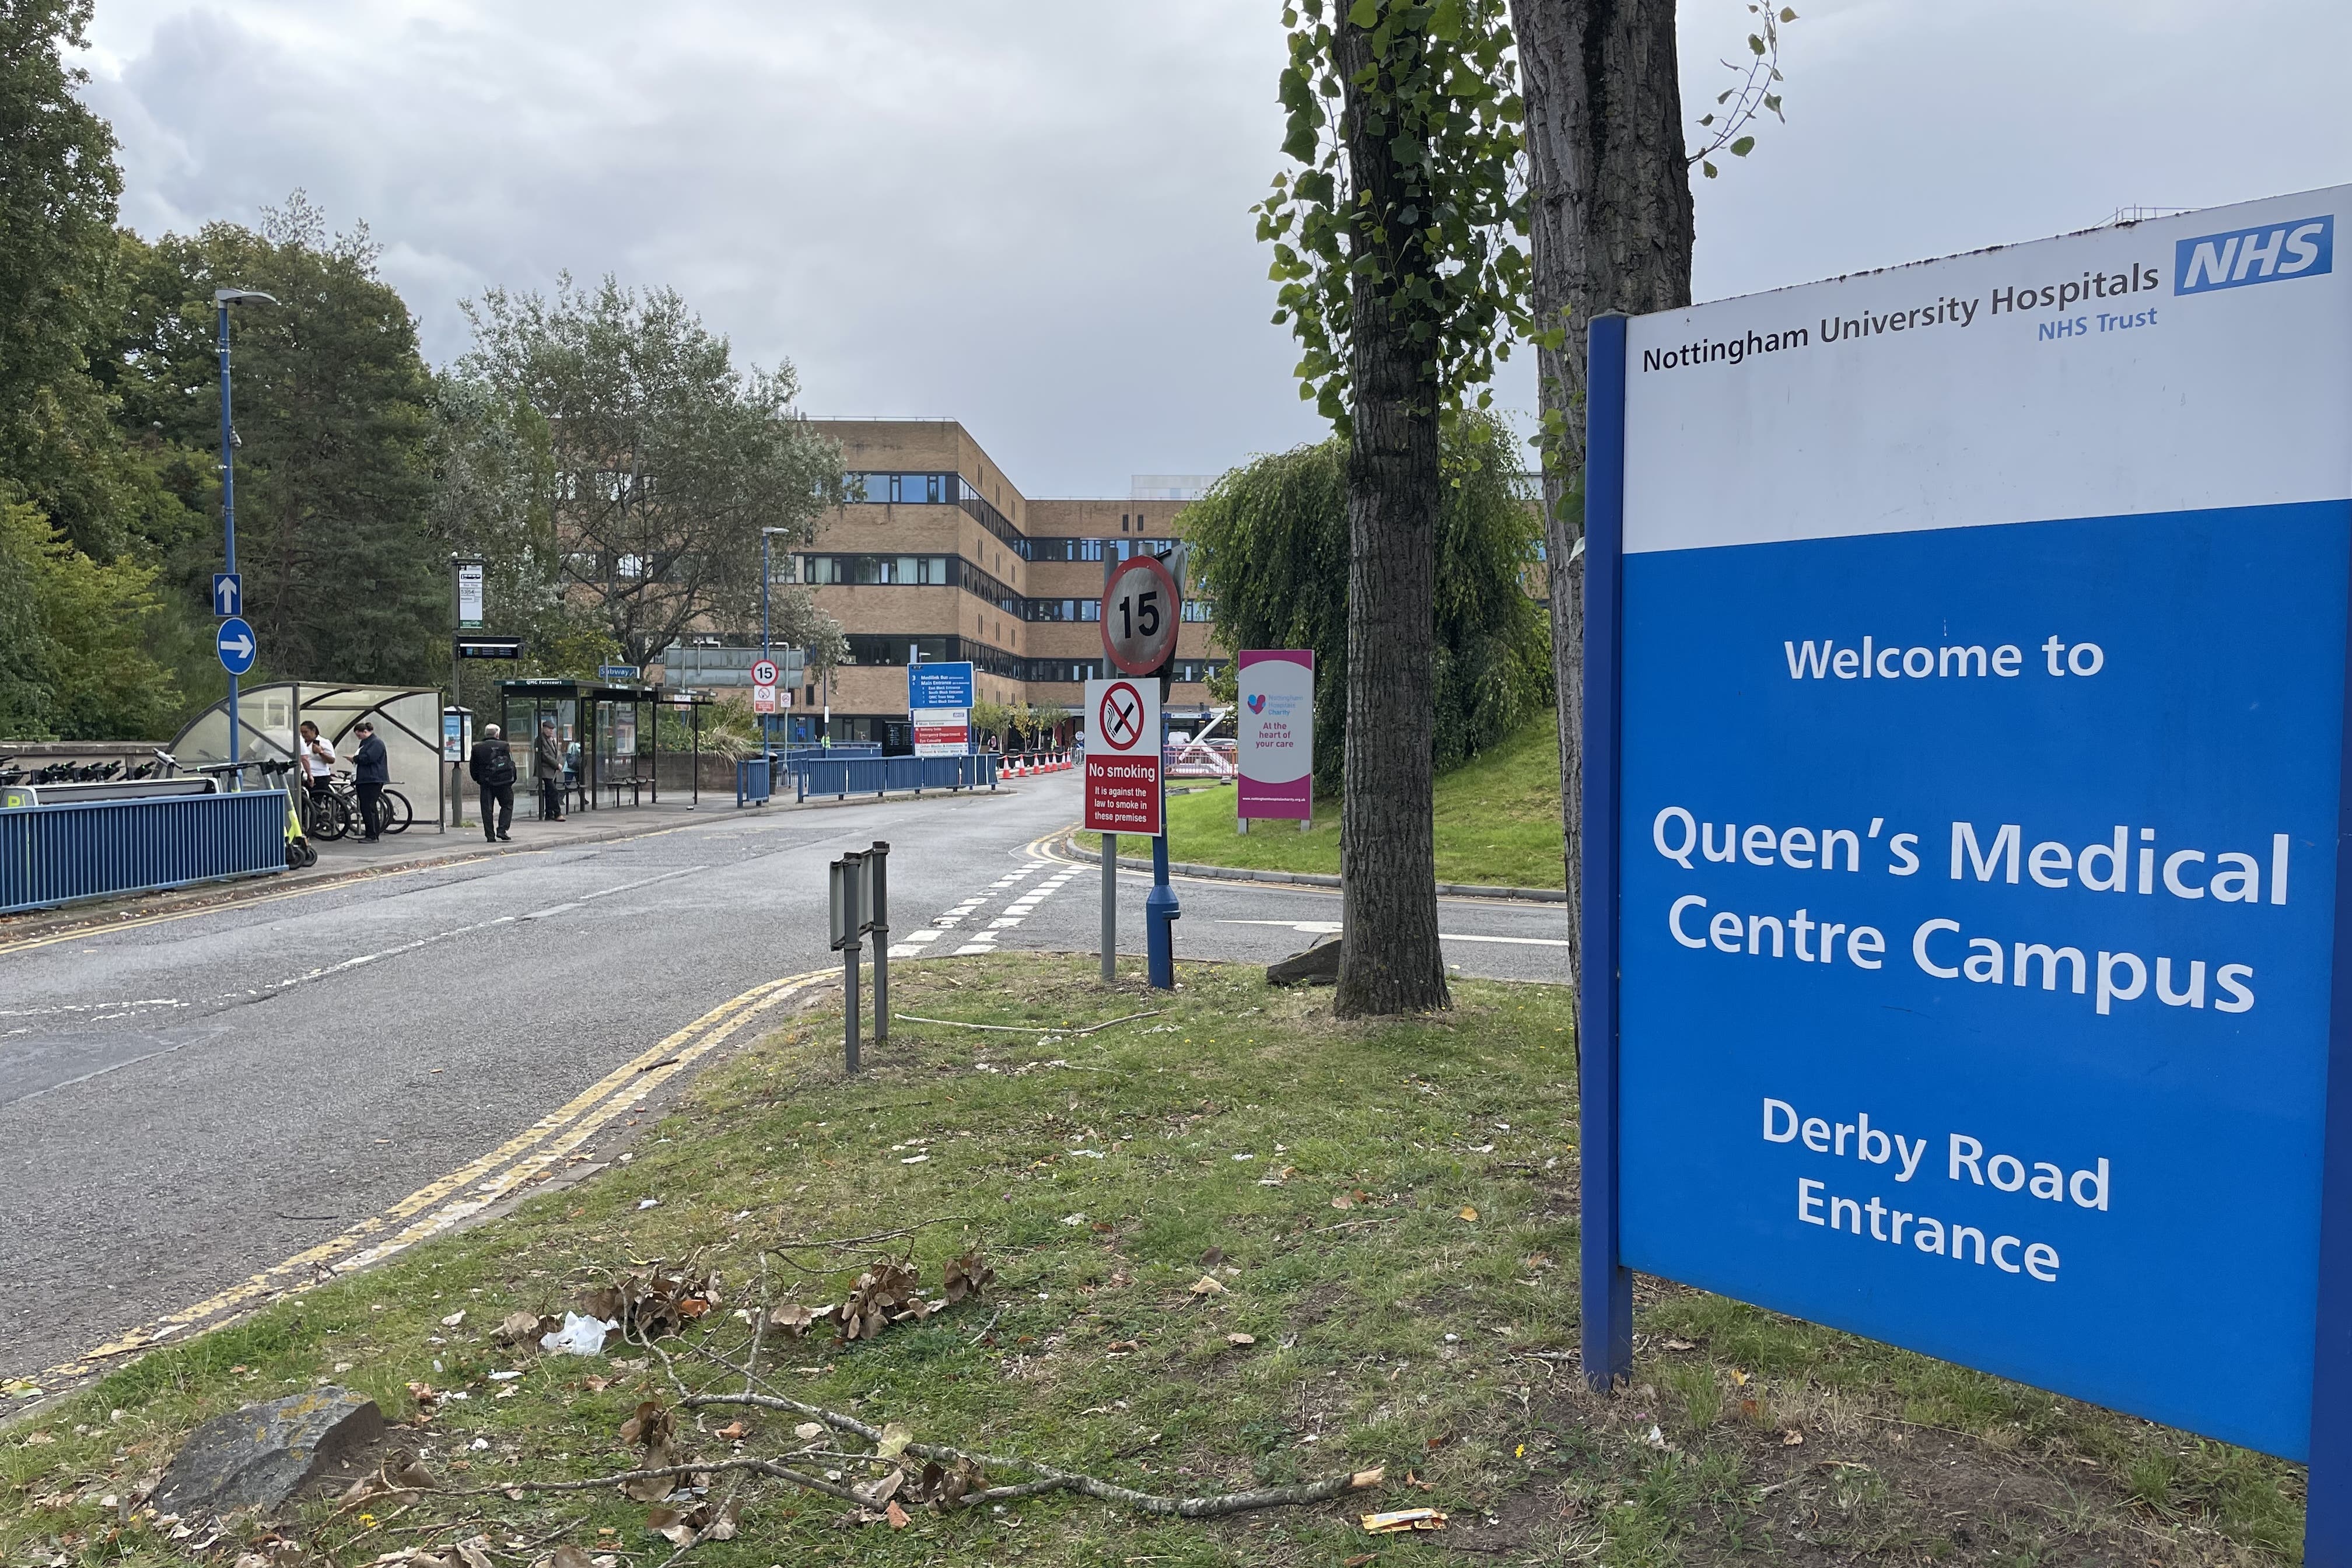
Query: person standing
317, 755
371, 772
547, 764
492, 770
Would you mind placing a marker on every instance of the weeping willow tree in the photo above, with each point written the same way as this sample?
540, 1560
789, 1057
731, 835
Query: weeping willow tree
1270, 547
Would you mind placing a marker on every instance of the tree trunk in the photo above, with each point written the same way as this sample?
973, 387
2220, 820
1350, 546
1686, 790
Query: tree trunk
1609, 229
1388, 960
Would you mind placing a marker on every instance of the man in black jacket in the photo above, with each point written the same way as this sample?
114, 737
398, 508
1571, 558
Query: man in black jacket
371, 772
492, 768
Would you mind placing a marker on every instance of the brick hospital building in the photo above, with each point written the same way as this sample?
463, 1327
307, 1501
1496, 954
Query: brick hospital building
944, 559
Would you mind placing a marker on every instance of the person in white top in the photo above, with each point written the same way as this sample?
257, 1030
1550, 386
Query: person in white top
317, 755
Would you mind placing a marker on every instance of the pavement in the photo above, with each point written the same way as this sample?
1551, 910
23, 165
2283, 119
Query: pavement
206, 1103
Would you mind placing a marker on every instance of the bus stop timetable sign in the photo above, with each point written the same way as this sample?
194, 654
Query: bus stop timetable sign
1966, 946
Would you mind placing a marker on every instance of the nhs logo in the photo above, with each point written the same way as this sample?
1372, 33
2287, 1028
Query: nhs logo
2302, 247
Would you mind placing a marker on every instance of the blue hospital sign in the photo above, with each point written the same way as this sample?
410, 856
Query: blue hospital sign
1978, 692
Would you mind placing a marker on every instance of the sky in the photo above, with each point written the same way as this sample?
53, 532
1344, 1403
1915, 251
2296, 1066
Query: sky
1033, 215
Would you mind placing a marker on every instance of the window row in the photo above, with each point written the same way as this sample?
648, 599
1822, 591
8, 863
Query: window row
895, 652
948, 572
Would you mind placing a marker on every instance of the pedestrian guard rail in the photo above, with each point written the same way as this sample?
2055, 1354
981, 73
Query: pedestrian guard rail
93, 849
842, 777
754, 782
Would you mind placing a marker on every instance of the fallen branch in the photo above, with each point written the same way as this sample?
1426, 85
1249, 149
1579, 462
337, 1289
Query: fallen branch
668, 1472
1216, 1506
1130, 1018
992, 1029
847, 1242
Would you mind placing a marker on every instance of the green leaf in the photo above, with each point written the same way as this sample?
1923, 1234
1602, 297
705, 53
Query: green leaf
1788, 13
1756, 45
1745, 145
1364, 13
1706, 168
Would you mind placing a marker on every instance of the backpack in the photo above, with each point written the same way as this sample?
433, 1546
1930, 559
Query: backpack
498, 768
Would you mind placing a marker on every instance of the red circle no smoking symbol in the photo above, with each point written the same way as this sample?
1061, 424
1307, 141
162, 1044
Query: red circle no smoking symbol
1121, 716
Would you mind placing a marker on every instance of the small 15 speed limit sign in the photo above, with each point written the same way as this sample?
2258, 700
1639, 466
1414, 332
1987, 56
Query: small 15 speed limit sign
1140, 607
764, 672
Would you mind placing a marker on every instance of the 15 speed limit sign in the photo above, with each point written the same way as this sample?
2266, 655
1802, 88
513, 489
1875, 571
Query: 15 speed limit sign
1140, 607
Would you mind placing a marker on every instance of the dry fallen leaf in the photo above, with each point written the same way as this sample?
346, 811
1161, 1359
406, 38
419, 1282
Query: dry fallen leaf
453, 1320
1680, 1345
1344, 1201
1207, 1285
1241, 1339
1791, 1438
808, 1431
1363, 1478
895, 1438
568, 1557
732, 1432
1359, 1559
897, 1516
1469, 1214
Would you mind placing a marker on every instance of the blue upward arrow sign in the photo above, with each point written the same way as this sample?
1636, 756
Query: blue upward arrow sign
228, 594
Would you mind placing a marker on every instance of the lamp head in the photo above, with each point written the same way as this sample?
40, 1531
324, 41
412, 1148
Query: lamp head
242, 297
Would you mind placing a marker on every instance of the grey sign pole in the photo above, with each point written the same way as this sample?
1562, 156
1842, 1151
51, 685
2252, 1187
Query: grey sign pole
877, 909
1110, 905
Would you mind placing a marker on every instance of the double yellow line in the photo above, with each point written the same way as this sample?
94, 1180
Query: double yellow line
451, 1200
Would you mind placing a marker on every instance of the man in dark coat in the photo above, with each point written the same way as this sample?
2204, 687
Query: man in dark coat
371, 772
492, 769
547, 766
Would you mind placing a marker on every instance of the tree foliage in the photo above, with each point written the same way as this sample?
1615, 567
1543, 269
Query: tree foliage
74, 632
667, 459
335, 415
1270, 547
1438, 87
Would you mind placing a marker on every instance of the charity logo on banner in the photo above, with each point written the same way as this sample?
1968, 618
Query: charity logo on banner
1276, 733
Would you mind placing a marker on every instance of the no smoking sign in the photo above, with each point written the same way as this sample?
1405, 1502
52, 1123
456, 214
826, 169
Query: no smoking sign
1123, 758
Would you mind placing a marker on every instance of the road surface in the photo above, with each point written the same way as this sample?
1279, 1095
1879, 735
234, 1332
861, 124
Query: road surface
188, 1102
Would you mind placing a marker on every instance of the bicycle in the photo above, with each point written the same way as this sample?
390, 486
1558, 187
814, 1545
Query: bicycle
396, 812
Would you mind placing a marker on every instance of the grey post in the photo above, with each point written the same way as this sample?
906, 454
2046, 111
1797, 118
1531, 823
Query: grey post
878, 865
1110, 905
845, 876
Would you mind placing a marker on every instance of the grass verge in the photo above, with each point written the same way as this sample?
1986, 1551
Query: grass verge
1419, 1327
1497, 822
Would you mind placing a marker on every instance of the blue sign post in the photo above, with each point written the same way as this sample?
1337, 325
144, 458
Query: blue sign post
939, 685
236, 645
1967, 958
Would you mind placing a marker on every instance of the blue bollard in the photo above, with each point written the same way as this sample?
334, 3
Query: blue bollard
1161, 913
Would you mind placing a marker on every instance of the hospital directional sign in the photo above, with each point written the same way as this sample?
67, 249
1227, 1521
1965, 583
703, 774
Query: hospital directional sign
945, 685
228, 594
1968, 956
236, 645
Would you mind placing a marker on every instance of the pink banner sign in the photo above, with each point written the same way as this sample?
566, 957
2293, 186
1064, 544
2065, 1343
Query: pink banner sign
1275, 725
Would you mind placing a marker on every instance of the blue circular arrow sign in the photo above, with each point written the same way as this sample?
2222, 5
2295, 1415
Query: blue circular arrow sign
238, 645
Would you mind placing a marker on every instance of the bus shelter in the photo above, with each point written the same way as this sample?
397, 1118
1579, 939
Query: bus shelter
606, 731
407, 721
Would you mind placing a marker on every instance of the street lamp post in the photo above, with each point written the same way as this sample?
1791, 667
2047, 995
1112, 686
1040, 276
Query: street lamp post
767, 647
222, 299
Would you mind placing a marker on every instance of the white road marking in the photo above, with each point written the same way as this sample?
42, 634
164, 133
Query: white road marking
608, 892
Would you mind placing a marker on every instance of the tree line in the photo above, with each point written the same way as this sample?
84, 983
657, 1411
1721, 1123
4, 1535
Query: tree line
598, 448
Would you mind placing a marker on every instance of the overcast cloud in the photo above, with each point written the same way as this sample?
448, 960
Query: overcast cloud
1032, 216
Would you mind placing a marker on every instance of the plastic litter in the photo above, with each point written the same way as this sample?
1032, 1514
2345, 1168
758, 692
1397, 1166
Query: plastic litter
579, 1335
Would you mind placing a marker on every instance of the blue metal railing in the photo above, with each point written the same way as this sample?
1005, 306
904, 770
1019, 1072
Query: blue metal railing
843, 776
752, 781
95, 849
